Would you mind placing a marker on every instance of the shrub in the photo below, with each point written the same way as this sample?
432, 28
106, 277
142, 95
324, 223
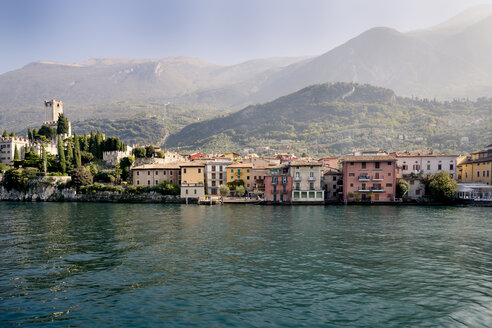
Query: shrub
81, 176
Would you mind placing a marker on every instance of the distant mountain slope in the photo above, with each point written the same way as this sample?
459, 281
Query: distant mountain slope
333, 118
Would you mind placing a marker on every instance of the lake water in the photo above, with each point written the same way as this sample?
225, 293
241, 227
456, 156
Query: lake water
81, 264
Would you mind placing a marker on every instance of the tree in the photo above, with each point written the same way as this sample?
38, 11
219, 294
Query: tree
5, 134
224, 190
160, 154
69, 153
443, 187
139, 152
47, 131
29, 134
62, 125
16, 154
149, 151
12, 134
45, 159
76, 152
402, 188
125, 164
61, 155
81, 176
240, 191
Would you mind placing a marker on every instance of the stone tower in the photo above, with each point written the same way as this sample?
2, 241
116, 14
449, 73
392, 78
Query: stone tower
53, 110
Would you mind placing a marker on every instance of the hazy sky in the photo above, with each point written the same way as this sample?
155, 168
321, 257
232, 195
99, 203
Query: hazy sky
221, 31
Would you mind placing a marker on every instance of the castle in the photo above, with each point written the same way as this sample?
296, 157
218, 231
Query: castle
53, 109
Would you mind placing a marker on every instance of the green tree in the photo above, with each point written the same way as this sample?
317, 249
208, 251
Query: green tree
5, 134
47, 131
149, 151
19, 179
224, 190
160, 154
62, 125
125, 165
443, 187
61, 155
45, 159
240, 191
402, 188
29, 134
81, 176
12, 134
139, 152
16, 154
76, 152
69, 153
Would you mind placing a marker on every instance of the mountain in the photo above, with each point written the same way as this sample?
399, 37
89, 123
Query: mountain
333, 118
90, 85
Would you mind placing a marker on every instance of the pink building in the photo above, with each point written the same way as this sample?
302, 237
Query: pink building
369, 177
278, 184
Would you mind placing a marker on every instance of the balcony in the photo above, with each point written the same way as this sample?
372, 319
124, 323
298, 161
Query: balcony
297, 178
378, 178
312, 178
364, 178
370, 189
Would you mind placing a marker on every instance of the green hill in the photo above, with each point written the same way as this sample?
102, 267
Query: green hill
333, 118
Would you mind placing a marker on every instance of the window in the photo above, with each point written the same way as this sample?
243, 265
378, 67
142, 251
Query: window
247, 170
275, 188
232, 178
389, 185
351, 184
284, 189
138, 182
334, 178
254, 177
213, 183
213, 175
405, 167
428, 167
376, 165
417, 192
170, 172
156, 172
220, 175
156, 182
247, 177
363, 165
194, 191
186, 191
148, 172
247, 185
311, 174
451, 167
184, 170
164, 173
334, 186
478, 174
232, 170
390, 163
213, 167
298, 186
298, 174
439, 167
138, 173
389, 174
351, 174
412, 182
351, 163
199, 170
148, 182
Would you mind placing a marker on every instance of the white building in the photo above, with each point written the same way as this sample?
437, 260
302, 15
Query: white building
427, 162
215, 175
307, 179
7, 148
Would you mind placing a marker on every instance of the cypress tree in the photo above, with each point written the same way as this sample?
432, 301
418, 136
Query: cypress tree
61, 155
76, 153
93, 145
62, 125
45, 159
12, 134
34, 133
16, 154
69, 153
29, 134
99, 143
5, 134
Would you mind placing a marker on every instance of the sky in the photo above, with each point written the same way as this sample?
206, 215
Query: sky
219, 31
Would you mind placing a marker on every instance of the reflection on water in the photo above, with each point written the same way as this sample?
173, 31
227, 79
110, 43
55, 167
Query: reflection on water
183, 265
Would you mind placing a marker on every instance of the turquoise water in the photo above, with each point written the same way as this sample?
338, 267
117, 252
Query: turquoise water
76, 264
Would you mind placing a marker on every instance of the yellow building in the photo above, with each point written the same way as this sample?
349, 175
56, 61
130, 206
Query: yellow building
192, 180
232, 156
241, 171
477, 167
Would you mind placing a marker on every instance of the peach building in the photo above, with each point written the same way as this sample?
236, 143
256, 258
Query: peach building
192, 180
153, 174
371, 176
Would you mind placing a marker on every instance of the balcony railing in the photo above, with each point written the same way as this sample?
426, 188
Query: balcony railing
364, 178
370, 189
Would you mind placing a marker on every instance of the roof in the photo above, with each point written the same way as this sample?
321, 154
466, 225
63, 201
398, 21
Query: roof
305, 163
191, 164
421, 153
167, 166
378, 158
240, 165
330, 170
478, 160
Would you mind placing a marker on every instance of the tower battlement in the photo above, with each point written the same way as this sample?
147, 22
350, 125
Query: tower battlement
53, 109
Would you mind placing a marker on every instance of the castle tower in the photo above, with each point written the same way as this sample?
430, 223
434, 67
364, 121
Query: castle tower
53, 109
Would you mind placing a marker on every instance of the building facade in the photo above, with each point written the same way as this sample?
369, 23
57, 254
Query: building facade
153, 174
192, 180
477, 168
8, 146
241, 171
215, 175
332, 185
307, 179
369, 177
427, 162
278, 184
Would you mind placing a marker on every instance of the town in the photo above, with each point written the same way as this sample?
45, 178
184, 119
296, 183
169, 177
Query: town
100, 163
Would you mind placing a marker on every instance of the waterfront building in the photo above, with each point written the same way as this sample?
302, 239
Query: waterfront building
332, 184
192, 180
307, 179
369, 176
475, 192
427, 162
153, 174
215, 175
477, 167
278, 184
241, 171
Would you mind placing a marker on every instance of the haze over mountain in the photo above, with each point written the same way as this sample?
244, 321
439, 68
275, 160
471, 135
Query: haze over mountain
450, 60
